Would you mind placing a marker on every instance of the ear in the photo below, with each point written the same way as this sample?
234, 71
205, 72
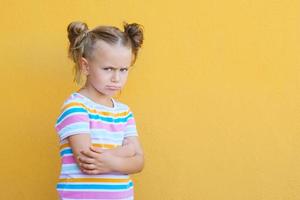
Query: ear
84, 66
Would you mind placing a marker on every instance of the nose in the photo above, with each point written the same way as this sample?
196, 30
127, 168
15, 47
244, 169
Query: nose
115, 76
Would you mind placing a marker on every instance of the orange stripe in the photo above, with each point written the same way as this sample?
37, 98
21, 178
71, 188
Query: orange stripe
74, 180
64, 146
122, 114
106, 146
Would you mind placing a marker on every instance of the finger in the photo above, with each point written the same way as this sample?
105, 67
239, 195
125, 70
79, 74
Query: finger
95, 171
91, 172
89, 154
97, 149
87, 166
86, 160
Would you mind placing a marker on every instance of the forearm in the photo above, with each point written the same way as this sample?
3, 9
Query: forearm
99, 161
123, 151
133, 164
130, 165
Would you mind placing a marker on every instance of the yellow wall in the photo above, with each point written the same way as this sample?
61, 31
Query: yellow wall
215, 93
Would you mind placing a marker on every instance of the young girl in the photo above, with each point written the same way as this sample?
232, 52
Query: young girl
99, 146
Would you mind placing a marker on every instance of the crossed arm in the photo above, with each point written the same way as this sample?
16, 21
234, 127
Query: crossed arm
128, 158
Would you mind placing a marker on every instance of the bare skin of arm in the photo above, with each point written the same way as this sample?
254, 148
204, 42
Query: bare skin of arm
82, 142
98, 161
79, 142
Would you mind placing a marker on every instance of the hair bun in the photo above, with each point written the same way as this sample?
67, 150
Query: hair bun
75, 29
135, 33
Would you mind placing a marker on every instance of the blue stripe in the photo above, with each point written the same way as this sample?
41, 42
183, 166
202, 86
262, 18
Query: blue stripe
93, 186
70, 111
66, 151
93, 116
110, 119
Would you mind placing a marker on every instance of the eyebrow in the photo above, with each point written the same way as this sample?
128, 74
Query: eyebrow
116, 67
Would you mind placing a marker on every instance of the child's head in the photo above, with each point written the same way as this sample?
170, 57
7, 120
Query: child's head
106, 48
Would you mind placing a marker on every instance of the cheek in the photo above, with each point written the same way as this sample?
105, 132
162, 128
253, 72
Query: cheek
102, 75
125, 76
100, 78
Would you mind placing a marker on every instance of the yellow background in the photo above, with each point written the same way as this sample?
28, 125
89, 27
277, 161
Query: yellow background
215, 93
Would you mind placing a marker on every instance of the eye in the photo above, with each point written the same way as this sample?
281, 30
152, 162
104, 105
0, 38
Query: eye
125, 69
108, 68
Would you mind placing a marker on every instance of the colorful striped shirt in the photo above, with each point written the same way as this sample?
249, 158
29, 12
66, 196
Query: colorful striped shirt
107, 127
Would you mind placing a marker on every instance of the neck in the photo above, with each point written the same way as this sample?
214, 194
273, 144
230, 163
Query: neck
91, 92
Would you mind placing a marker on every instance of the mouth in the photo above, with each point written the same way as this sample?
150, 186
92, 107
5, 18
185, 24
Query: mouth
113, 88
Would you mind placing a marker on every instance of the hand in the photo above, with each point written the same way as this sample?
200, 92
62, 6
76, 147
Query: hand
97, 161
126, 142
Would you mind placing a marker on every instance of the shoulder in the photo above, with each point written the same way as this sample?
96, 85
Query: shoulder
73, 109
120, 106
74, 106
74, 101
125, 110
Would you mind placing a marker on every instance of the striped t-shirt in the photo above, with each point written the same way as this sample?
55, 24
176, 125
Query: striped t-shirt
107, 126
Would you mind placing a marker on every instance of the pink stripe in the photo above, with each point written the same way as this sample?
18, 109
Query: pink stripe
96, 195
68, 160
131, 121
78, 96
110, 127
72, 119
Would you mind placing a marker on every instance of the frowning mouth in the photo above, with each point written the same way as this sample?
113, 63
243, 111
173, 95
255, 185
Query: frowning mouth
113, 88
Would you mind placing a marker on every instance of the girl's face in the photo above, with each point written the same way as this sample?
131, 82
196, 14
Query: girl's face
107, 72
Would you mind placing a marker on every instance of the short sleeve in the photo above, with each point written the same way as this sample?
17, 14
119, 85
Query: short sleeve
130, 129
74, 119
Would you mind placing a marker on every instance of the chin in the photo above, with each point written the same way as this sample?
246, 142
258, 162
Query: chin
111, 94
107, 93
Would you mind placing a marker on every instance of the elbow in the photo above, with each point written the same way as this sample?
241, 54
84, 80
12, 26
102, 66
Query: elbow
141, 165
138, 165
140, 169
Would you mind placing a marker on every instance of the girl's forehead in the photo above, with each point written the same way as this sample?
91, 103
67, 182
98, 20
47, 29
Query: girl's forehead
112, 54
102, 46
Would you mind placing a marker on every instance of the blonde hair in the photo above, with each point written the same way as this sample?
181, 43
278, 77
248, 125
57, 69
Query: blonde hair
82, 41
